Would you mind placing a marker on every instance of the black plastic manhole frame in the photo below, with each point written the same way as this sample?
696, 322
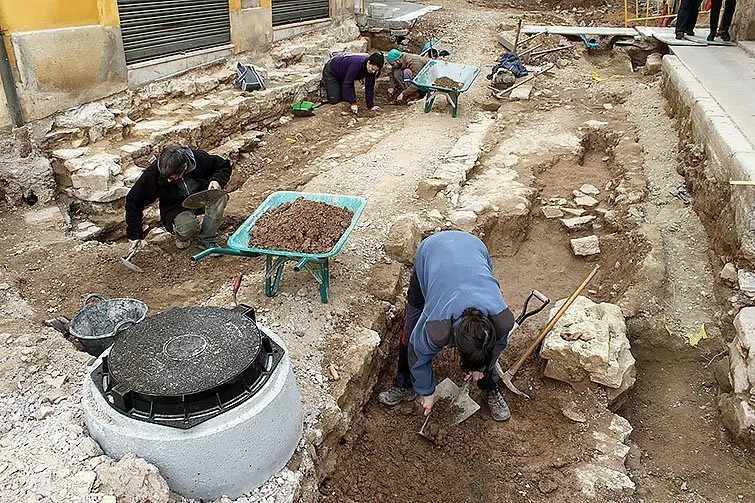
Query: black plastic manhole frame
186, 411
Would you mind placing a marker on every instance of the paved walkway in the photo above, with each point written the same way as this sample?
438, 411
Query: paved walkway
728, 74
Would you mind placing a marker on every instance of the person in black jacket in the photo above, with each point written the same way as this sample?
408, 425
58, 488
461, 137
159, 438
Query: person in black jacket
177, 173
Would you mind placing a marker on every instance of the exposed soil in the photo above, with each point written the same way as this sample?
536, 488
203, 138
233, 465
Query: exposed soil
448, 83
679, 450
301, 226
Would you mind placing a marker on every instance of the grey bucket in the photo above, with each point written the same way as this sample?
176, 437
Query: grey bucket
97, 324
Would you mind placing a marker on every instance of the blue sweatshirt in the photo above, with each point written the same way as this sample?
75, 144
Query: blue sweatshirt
351, 68
455, 273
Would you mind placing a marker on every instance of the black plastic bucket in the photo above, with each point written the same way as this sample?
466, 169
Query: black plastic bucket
100, 320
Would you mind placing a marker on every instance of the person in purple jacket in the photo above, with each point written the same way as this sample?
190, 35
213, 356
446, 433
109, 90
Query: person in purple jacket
453, 301
339, 75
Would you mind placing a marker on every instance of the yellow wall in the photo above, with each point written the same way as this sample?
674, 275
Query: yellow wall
25, 15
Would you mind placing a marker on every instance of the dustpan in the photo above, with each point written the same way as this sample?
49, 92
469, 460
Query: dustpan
457, 397
303, 109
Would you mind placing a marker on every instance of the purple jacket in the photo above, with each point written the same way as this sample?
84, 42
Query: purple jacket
351, 68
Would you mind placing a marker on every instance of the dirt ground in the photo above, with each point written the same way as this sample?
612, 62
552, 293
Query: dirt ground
679, 450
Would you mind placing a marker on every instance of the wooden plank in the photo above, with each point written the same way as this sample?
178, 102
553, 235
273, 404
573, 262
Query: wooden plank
580, 30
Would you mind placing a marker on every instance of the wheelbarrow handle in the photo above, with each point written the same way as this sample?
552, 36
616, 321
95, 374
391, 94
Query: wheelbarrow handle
526, 313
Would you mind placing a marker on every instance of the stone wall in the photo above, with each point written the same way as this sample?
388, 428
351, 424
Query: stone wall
743, 26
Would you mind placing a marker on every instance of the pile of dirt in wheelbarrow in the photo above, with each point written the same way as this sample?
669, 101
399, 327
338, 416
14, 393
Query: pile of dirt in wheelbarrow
301, 226
448, 83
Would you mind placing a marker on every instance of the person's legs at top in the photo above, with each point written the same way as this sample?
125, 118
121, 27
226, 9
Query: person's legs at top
332, 85
715, 11
687, 11
729, 8
402, 390
185, 227
692, 21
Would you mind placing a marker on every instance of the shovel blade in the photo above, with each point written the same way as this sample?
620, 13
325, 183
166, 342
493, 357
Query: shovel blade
131, 266
459, 398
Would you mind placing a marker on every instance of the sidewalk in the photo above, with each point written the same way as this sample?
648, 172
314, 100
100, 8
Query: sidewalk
711, 90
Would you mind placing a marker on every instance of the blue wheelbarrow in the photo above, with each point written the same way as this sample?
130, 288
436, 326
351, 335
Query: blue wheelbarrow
425, 80
317, 265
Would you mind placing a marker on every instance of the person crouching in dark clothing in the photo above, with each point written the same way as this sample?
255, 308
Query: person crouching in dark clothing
176, 174
339, 74
715, 10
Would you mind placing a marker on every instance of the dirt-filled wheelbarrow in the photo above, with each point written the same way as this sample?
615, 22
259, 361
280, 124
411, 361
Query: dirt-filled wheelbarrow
316, 264
443, 77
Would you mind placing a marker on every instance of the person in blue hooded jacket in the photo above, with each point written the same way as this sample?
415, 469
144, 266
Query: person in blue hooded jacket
453, 301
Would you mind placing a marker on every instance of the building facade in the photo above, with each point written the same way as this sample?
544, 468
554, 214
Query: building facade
63, 53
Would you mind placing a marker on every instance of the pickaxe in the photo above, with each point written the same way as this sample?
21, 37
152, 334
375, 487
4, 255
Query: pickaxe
508, 376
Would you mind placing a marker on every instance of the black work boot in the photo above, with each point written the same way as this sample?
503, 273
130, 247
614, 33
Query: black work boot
711, 37
680, 35
725, 36
395, 395
499, 409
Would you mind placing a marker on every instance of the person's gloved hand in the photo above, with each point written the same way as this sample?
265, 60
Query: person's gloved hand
375, 109
427, 403
355, 108
476, 376
214, 185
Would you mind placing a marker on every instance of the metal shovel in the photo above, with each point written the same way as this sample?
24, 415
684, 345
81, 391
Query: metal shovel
127, 260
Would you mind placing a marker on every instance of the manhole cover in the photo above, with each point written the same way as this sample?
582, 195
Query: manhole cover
183, 366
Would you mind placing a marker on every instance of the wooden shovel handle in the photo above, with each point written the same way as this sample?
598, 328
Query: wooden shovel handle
553, 321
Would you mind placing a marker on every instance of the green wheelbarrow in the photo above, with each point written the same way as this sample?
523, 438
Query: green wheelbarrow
317, 265
425, 80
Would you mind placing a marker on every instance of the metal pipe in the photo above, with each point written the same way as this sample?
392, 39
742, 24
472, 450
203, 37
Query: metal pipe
9, 84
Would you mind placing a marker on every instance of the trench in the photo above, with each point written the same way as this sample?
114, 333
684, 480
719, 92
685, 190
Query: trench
530, 457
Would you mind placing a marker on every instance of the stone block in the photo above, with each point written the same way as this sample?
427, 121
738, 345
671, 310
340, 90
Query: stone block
589, 342
742, 352
585, 247
505, 41
729, 274
552, 212
746, 282
430, 187
577, 223
587, 201
403, 239
653, 64
590, 190
132, 480
96, 178
522, 92
463, 217
385, 281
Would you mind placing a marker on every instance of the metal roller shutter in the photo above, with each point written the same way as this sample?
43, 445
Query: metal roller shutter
156, 28
296, 11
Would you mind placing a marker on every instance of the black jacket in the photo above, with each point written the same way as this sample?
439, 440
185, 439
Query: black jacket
150, 187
